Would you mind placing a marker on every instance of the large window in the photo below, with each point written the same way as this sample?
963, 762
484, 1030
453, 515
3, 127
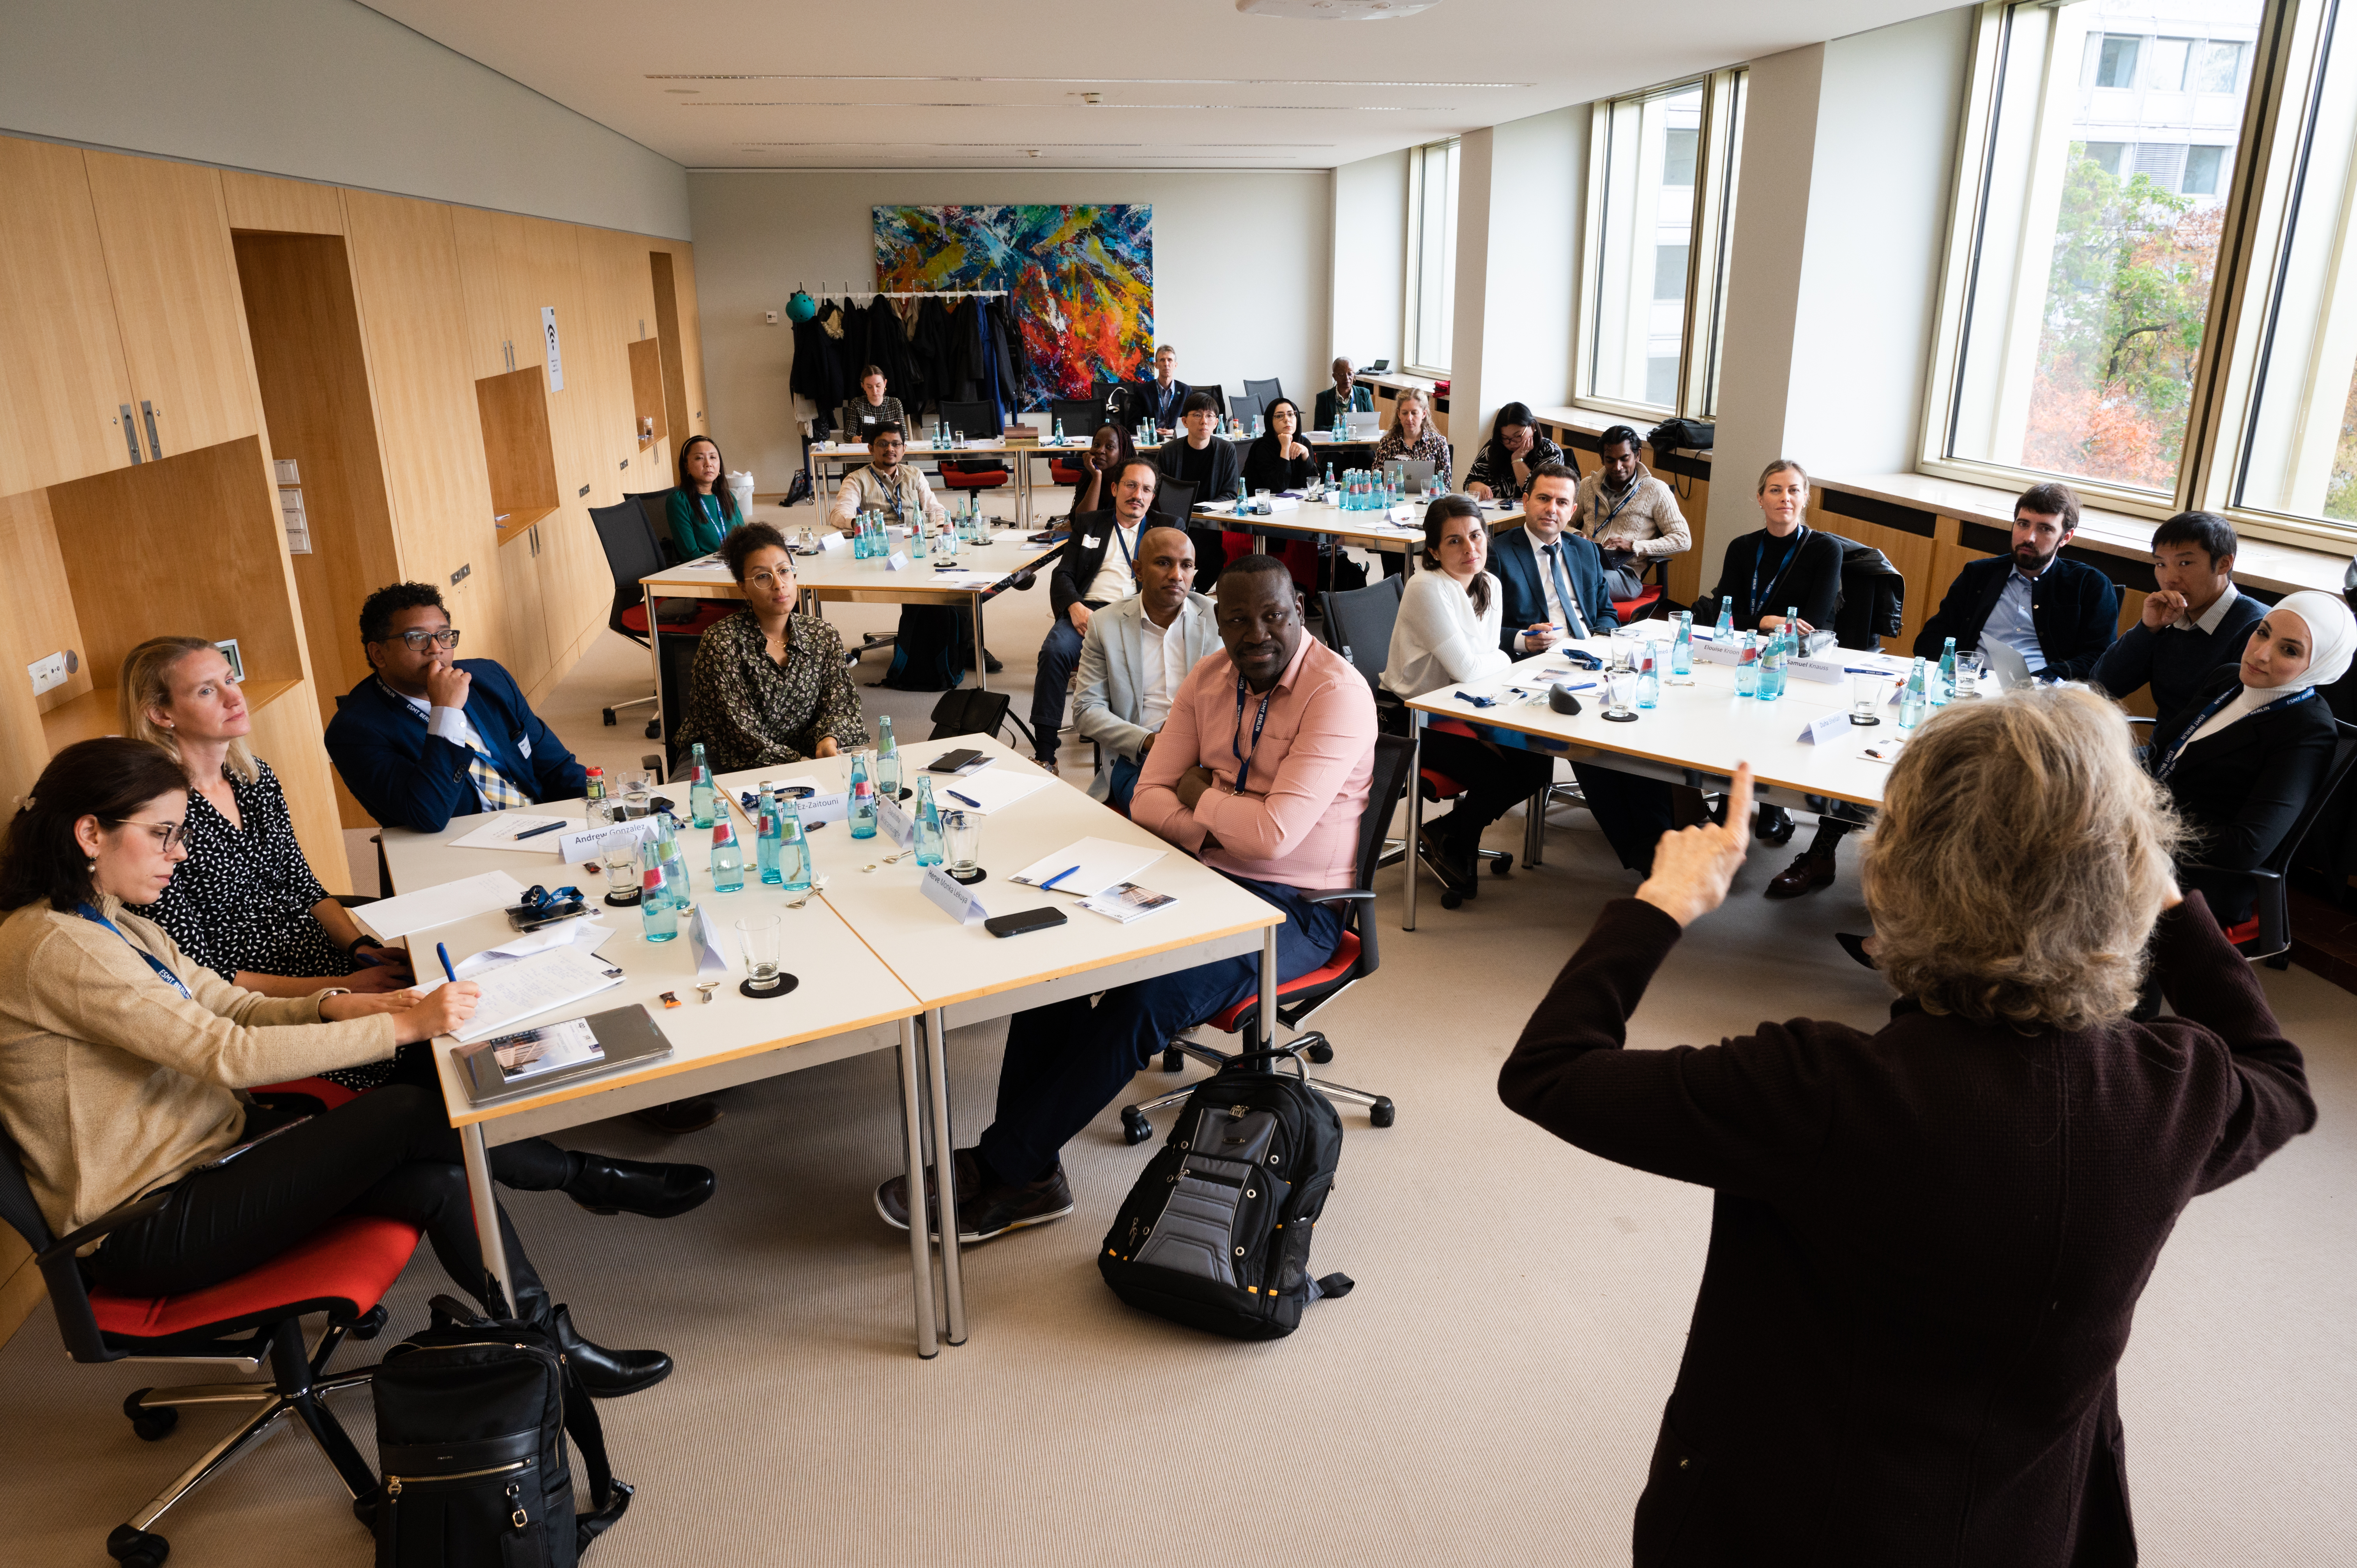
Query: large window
1661, 192
1431, 256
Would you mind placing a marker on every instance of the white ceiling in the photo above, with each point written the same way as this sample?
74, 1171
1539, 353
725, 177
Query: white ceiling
1183, 83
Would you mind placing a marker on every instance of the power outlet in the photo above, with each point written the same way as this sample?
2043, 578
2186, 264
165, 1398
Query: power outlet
48, 673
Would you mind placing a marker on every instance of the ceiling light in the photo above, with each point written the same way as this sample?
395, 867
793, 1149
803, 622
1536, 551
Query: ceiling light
1335, 10
687, 91
953, 103
1061, 81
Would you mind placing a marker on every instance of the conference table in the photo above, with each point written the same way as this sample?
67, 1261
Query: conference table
832, 459
879, 966
1700, 730
1370, 531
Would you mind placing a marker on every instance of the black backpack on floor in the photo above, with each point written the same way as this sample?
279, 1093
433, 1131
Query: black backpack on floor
470, 1422
1216, 1232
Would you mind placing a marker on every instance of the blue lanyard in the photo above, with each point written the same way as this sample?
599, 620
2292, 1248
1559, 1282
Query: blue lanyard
1244, 758
712, 508
1790, 555
153, 962
1128, 559
2168, 764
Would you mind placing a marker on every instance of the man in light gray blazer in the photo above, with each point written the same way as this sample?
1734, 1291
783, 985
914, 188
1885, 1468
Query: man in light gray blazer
1137, 651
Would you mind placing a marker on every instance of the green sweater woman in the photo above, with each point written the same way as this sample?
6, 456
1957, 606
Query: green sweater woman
702, 510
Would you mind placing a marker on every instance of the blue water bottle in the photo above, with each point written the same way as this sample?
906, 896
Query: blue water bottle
1725, 635
862, 799
676, 885
727, 860
1940, 689
1649, 677
770, 830
1746, 667
1914, 702
1681, 650
701, 802
927, 839
1771, 683
888, 761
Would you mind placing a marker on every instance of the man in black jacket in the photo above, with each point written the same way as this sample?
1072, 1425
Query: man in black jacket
1098, 568
2194, 622
1201, 459
1162, 396
2057, 615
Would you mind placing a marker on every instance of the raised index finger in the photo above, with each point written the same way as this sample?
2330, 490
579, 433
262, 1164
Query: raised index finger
1738, 806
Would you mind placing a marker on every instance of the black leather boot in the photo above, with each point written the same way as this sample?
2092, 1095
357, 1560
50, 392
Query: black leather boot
604, 1186
608, 1374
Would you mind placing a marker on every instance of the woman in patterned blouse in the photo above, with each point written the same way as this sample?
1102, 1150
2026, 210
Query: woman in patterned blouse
770, 686
1413, 436
1502, 471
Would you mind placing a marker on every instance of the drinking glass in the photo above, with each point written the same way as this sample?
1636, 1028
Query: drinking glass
962, 844
957, 438
637, 790
1621, 688
758, 936
1866, 694
621, 862
1968, 675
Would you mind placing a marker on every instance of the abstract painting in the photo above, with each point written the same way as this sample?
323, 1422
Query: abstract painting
1080, 280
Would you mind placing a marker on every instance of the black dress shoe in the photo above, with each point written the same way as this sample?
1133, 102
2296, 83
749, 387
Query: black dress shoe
680, 1116
1772, 825
990, 662
1854, 945
608, 1374
1805, 874
632, 1186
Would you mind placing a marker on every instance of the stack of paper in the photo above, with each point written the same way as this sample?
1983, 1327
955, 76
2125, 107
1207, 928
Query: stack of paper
1089, 867
992, 789
429, 907
514, 992
503, 832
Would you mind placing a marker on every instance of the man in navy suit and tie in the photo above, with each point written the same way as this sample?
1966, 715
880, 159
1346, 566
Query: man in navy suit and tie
1163, 397
428, 737
1554, 580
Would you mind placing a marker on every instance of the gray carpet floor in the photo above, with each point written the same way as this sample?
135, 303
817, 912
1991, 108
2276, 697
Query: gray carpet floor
1488, 1395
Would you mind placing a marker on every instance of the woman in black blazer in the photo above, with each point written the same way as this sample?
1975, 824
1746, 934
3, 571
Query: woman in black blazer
1929, 1237
2243, 758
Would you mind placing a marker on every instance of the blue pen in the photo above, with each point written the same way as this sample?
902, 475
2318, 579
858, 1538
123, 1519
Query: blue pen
1057, 877
967, 798
1862, 669
443, 950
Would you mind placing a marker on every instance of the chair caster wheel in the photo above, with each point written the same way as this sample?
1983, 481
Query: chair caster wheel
370, 1324
1135, 1127
1173, 1059
654, 729
1382, 1112
1452, 900
136, 1548
152, 1425
1502, 865
606, 715
1321, 1053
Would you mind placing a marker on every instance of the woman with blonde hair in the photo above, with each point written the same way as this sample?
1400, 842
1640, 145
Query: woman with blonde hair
1412, 436
1929, 1239
245, 903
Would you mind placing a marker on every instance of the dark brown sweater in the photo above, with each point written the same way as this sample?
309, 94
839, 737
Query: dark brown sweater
1925, 1252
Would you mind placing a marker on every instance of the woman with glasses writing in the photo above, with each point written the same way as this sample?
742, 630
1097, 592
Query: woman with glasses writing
427, 737
770, 686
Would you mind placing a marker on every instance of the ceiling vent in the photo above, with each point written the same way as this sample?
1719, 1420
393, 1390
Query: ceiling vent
1335, 10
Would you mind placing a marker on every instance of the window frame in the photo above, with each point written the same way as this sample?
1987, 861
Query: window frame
1711, 233
2283, 62
1414, 360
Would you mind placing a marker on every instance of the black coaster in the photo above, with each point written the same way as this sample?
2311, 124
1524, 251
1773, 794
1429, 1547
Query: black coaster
904, 794
979, 876
619, 902
1620, 719
786, 982
1857, 723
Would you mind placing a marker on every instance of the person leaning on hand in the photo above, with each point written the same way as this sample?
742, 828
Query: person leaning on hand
1137, 653
121, 1057
1927, 1242
2194, 622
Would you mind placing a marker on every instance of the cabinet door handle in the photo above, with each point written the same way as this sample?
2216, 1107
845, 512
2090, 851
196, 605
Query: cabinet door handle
154, 446
130, 432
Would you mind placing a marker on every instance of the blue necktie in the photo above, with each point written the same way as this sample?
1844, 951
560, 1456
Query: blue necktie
1578, 627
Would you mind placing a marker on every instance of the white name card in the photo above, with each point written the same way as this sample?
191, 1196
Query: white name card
952, 896
833, 541
816, 808
703, 940
587, 847
894, 819
896, 561
1818, 731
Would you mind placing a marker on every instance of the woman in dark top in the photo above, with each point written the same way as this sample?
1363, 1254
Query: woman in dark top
1108, 450
702, 510
2242, 758
1502, 471
1928, 1239
1279, 460
770, 686
1786, 564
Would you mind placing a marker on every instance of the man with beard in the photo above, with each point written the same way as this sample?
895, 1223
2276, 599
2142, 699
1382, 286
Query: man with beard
1138, 652
1631, 516
2059, 615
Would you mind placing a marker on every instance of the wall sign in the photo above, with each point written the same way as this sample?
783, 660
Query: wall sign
556, 356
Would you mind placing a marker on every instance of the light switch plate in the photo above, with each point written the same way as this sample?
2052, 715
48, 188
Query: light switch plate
48, 673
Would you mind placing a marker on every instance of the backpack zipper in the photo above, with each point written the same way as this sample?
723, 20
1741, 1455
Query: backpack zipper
393, 1484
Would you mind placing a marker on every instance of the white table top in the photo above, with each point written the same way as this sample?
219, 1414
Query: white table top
978, 975
1704, 726
847, 1000
1359, 528
979, 566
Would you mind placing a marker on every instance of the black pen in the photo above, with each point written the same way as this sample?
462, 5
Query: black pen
535, 832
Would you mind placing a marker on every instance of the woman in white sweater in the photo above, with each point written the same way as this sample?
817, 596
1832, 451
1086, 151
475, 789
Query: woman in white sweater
1448, 632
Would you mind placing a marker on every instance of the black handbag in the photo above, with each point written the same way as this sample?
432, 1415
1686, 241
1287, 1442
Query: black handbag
1680, 436
471, 1421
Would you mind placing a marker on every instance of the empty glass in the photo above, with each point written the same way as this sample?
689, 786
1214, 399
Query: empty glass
621, 862
637, 790
758, 936
1866, 694
962, 844
1621, 688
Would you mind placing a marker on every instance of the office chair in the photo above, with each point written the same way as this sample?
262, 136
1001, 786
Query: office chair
631, 554
343, 1269
977, 420
1219, 396
1353, 960
1080, 416
1173, 499
1263, 392
2265, 935
1647, 602
965, 710
1244, 410
1357, 626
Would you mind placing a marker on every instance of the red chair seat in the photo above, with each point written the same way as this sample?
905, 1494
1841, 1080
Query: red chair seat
709, 614
1626, 610
344, 1269
329, 1095
1064, 473
1346, 955
2248, 932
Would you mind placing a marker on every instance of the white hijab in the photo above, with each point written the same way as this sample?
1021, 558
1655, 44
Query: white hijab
2331, 640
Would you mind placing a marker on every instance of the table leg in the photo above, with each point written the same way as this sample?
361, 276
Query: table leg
981, 660
945, 1167
1414, 813
1268, 984
654, 657
477, 1157
912, 1138
1535, 828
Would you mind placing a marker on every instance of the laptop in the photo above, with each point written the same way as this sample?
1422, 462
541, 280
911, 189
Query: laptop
1417, 474
2012, 670
1362, 426
1378, 367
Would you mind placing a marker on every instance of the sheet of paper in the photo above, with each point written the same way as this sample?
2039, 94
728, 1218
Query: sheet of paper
1128, 902
1096, 864
533, 986
585, 933
439, 906
992, 790
502, 832
954, 898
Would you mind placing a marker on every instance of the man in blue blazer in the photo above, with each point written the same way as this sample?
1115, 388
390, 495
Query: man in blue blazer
429, 737
1161, 397
2057, 615
1540, 563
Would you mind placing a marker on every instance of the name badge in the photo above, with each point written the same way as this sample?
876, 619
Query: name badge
952, 897
1094, 541
1833, 727
816, 808
894, 819
587, 847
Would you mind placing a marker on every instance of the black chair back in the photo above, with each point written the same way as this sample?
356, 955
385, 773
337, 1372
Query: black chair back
16, 1206
1247, 409
1263, 392
1173, 498
963, 709
1386, 787
2344, 754
976, 419
631, 554
1358, 624
675, 658
1081, 417
1873, 595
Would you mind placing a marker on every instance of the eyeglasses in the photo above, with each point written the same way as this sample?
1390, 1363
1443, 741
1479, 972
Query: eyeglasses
419, 641
768, 580
170, 836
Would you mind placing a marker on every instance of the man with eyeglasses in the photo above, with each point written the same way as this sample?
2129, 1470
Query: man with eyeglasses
429, 737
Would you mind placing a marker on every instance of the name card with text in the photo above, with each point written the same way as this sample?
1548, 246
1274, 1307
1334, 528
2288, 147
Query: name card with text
956, 900
894, 819
1832, 726
587, 847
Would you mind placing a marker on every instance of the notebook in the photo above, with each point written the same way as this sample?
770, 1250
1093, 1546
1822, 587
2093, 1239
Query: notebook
530, 1060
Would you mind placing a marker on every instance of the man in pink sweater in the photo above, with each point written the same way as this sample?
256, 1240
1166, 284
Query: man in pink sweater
1261, 771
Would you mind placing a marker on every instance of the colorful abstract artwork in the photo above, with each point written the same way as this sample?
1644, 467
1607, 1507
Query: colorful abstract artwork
1080, 279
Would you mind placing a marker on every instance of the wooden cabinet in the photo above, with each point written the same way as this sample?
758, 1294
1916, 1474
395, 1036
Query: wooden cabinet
165, 231
63, 380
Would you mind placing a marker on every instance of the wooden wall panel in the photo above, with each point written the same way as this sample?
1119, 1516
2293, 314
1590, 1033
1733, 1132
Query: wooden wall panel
165, 232
62, 377
40, 621
691, 335
260, 202
663, 273
287, 735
